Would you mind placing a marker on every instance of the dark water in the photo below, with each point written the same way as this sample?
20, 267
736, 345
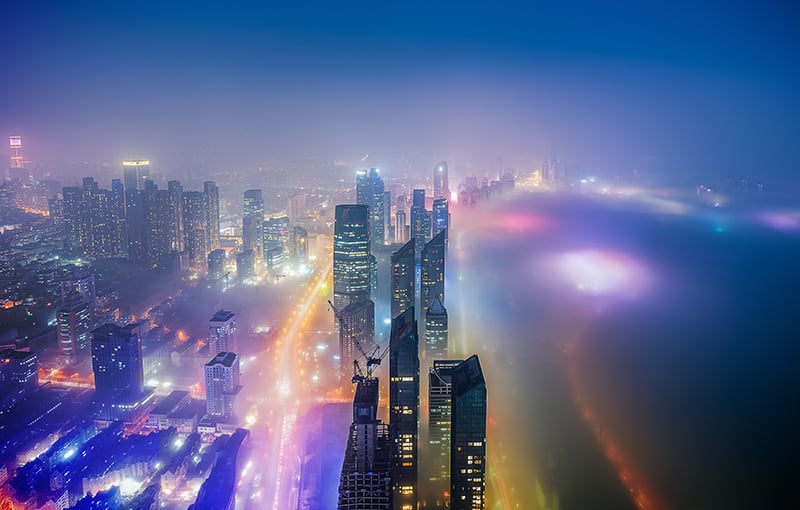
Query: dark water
689, 360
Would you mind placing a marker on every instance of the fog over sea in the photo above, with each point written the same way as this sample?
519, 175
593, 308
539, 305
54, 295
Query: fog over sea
635, 349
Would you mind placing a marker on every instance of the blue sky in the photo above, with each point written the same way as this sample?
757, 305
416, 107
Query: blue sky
674, 88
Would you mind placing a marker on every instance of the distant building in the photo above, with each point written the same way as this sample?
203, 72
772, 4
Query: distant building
402, 278
351, 255
370, 192
441, 186
195, 223
245, 265
439, 409
420, 221
432, 269
404, 410
19, 368
441, 217
95, 220
212, 222
357, 328
468, 437
73, 320
365, 481
436, 329
300, 244
216, 264
222, 384
222, 332
252, 221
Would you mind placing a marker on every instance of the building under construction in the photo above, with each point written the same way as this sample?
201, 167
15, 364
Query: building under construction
365, 482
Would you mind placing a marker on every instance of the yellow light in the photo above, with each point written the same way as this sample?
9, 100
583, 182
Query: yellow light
135, 163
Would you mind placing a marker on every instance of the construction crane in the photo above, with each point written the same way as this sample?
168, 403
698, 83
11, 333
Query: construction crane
371, 361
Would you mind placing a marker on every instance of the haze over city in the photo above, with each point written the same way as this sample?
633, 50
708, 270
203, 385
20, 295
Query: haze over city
260, 255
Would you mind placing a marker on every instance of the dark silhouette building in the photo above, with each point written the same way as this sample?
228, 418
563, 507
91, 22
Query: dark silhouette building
468, 437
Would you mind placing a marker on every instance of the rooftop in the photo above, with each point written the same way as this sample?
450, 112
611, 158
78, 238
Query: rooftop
222, 316
224, 358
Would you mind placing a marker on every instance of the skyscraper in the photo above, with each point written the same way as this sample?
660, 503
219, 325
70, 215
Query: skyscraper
300, 244
245, 265
252, 221
117, 360
351, 255
433, 256
369, 192
439, 417
212, 223
441, 216
441, 187
468, 437
222, 332
72, 326
436, 329
365, 481
404, 409
216, 264
134, 173
420, 221
176, 214
356, 328
403, 276
222, 384
195, 221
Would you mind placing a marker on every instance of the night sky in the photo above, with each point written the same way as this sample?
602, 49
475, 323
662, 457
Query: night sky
683, 90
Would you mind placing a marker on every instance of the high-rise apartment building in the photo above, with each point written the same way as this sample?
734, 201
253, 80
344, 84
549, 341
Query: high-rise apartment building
222, 332
351, 255
404, 410
212, 221
222, 384
195, 222
402, 278
468, 437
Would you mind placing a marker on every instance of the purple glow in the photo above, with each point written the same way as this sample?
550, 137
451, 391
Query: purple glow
601, 272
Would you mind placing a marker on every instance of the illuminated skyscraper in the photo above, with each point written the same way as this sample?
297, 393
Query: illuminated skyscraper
19, 368
439, 417
73, 320
212, 224
245, 265
15, 144
357, 327
436, 329
403, 276
433, 256
222, 384
404, 410
300, 244
369, 192
441, 186
134, 173
195, 221
252, 221
468, 437
420, 221
365, 482
222, 332
176, 214
351, 255
441, 216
